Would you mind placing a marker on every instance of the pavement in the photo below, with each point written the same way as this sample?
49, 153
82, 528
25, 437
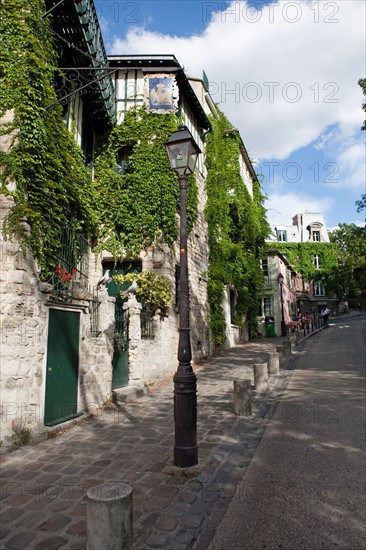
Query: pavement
305, 487
44, 486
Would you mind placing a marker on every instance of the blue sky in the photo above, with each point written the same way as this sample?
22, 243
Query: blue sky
285, 73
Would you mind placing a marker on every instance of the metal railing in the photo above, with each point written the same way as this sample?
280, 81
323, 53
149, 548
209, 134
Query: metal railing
94, 314
72, 266
147, 322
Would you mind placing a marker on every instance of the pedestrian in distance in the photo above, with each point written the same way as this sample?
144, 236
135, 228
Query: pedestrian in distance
325, 314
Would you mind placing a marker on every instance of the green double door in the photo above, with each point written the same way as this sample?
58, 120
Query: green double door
62, 368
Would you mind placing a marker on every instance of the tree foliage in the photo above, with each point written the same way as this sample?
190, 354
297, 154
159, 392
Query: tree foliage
361, 204
351, 246
362, 83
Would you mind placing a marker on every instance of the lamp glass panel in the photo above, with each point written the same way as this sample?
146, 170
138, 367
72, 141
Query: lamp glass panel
178, 155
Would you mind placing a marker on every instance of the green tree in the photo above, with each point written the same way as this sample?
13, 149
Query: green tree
351, 245
361, 204
362, 83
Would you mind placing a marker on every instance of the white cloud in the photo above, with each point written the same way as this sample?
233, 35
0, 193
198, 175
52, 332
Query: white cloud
349, 155
282, 80
282, 207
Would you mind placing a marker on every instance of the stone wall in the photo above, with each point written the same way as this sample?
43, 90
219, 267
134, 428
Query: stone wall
24, 309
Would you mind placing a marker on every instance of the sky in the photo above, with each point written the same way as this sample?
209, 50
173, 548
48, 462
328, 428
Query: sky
285, 73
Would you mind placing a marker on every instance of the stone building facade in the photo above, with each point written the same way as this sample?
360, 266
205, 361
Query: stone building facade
59, 341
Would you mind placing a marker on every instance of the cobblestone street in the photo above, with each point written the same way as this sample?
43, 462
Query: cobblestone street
44, 486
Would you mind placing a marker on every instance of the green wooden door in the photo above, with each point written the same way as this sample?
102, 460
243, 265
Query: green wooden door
62, 370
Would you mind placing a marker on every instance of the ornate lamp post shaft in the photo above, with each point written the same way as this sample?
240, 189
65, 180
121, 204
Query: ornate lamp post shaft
183, 152
185, 381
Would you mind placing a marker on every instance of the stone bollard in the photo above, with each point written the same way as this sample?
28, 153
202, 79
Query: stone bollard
260, 377
242, 397
287, 346
109, 517
273, 363
281, 352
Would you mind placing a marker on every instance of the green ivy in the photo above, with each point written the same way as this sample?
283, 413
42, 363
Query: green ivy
139, 208
52, 184
237, 229
301, 257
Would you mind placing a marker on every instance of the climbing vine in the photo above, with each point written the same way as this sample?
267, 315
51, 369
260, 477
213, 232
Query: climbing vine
139, 204
43, 169
237, 229
301, 256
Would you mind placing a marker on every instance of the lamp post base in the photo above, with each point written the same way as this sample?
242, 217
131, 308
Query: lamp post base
185, 457
185, 417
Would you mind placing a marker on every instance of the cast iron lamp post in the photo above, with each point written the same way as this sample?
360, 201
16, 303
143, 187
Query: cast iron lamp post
183, 152
283, 326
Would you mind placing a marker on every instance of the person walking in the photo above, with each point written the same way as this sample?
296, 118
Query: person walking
325, 314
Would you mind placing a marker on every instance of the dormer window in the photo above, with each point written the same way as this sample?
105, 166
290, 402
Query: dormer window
315, 231
282, 235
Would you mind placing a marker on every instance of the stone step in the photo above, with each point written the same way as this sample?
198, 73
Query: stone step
129, 393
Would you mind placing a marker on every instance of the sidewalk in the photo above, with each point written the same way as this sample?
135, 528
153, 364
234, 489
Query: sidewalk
44, 486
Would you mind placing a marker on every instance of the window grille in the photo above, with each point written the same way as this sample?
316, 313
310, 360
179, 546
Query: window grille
71, 265
147, 322
94, 314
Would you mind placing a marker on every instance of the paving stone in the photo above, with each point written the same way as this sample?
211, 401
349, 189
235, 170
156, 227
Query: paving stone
11, 514
78, 529
20, 541
167, 523
150, 519
32, 519
49, 543
191, 521
55, 523
158, 539
4, 532
187, 497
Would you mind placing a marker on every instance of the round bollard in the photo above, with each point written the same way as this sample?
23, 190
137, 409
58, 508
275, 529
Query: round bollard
281, 352
109, 517
260, 377
242, 397
273, 363
287, 346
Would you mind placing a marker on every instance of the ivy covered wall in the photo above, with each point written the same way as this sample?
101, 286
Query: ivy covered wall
139, 208
52, 184
301, 257
237, 229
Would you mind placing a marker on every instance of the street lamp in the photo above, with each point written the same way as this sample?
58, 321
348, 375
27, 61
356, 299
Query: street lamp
183, 152
283, 326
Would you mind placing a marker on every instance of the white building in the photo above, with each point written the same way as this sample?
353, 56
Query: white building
306, 227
